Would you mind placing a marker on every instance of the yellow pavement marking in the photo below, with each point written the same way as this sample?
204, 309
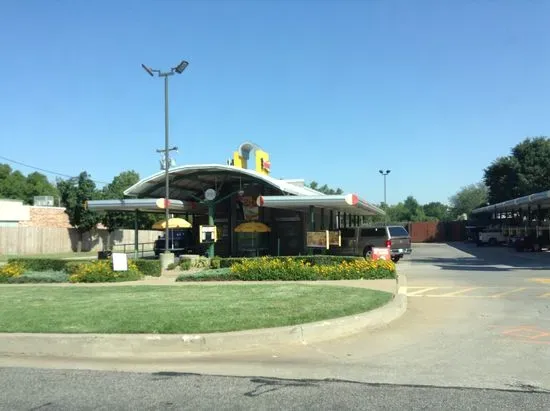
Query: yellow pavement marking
539, 280
458, 292
516, 290
547, 295
423, 290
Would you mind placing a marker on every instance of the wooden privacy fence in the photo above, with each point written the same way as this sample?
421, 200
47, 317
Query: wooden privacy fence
437, 231
43, 240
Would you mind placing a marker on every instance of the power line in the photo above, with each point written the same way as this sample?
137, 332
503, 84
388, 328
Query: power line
44, 170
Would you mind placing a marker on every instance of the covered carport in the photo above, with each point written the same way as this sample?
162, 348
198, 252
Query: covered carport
522, 216
143, 205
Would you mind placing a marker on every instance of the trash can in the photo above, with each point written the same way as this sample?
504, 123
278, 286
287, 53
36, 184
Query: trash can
104, 255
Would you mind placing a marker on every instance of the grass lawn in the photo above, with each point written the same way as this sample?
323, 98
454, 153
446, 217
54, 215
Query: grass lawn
182, 309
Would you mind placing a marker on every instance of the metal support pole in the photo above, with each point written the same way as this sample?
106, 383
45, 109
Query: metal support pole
211, 213
331, 220
136, 234
311, 224
166, 165
385, 201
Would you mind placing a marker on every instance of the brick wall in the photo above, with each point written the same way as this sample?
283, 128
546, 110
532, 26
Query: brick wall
52, 217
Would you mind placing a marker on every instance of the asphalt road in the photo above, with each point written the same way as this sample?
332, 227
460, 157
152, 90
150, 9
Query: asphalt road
478, 323
46, 390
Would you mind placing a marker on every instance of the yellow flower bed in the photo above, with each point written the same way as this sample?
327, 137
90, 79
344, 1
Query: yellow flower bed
101, 271
13, 269
290, 269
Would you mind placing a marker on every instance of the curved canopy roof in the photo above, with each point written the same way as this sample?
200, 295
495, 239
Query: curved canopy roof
190, 182
193, 179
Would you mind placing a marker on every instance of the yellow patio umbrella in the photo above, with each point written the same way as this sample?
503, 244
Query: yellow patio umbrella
252, 227
172, 223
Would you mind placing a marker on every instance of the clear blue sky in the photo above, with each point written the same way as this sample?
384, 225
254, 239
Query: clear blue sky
333, 90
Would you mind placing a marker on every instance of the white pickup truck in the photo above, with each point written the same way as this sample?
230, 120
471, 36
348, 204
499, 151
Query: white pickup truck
491, 237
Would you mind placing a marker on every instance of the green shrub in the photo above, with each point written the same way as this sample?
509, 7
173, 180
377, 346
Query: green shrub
228, 262
41, 264
185, 263
101, 271
40, 277
73, 266
171, 266
149, 267
215, 263
296, 269
200, 262
221, 274
326, 259
312, 259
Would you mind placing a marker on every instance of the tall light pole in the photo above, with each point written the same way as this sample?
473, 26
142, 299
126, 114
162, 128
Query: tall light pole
384, 174
178, 69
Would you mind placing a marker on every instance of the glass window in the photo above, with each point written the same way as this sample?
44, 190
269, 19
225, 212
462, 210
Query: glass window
373, 232
398, 232
348, 232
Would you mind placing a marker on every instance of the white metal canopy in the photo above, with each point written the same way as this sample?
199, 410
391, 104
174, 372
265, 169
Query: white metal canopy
349, 203
542, 199
149, 205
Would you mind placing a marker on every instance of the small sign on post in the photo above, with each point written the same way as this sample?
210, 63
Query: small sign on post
120, 262
208, 234
318, 239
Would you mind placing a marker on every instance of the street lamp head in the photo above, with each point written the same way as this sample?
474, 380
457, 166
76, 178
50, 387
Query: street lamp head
180, 67
388, 171
148, 70
381, 171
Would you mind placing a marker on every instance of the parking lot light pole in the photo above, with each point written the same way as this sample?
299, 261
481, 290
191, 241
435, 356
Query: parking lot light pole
166, 151
384, 174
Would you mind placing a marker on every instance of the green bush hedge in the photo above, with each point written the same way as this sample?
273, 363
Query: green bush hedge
41, 264
221, 274
149, 267
228, 262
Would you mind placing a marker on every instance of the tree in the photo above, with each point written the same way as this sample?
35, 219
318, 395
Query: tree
468, 198
13, 184
123, 220
325, 189
37, 184
74, 193
525, 171
436, 211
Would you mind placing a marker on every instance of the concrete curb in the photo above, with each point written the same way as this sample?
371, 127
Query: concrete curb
164, 345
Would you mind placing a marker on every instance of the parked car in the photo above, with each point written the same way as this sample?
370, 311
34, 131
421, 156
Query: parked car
361, 241
180, 242
491, 236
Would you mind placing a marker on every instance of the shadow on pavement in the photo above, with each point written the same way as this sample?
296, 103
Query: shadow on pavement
492, 259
